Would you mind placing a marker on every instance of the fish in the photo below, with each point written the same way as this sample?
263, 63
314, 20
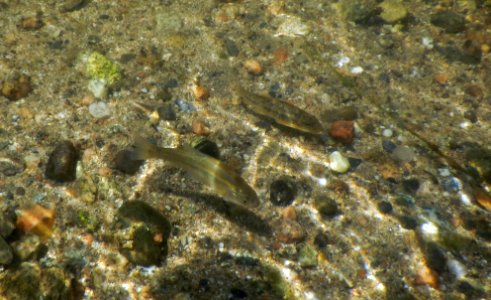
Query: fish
203, 168
282, 112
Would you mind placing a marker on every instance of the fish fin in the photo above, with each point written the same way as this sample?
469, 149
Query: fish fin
143, 149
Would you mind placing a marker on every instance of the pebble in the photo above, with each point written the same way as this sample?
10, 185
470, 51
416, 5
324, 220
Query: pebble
388, 146
144, 234
403, 154
307, 256
62, 162
167, 113
199, 127
451, 184
411, 185
6, 254
99, 88
206, 146
72, 5
393, 11
321, 240
338, 162
185, 106
31, 23
387, 132
200, 92
124, 162
327, 207
282, 192
290, 231
342, 131
99, 110
16, 88
449, 21
253, 67
384, 207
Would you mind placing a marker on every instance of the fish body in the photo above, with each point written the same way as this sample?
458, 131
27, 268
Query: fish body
281, 112
202, 168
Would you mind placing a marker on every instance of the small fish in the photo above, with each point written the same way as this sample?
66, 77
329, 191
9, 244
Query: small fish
283, 113
202, 168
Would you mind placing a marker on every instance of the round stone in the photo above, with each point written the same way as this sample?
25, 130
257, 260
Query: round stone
282, 192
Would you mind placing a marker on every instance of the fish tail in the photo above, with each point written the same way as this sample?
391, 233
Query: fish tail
143, 149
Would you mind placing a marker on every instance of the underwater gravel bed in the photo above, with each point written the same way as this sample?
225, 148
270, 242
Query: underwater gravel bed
372, 183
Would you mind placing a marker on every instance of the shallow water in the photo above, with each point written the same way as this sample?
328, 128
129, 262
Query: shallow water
402, 223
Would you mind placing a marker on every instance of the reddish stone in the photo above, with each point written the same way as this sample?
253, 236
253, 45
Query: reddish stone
342, 131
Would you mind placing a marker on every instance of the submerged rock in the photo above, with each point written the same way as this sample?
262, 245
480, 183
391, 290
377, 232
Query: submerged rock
144, 233
282, 192
62, 162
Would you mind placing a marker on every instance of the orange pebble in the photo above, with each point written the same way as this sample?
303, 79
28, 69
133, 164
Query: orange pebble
200, 92
37, 219
342, 131
280, 56
253, 67
483, 198
427, 277
441, 78
289, 213
200, 128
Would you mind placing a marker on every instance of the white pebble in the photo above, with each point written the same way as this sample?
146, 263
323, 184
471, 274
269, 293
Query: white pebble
98, 87
99, 110
444, 172
387, 132
456, 267
338, 163
427, 42
357, 70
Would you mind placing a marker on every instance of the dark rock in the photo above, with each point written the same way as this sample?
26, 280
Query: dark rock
411, 185
72, 5
206, 146
327, 207
167, 113
144, 233
435, 258
231, 47
388, 146
321, 240
124, 161
62, 162
11, 166
282, 192
451, 22
385, 207
407, 222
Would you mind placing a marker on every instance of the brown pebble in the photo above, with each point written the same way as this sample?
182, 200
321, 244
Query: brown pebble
62, 162
342, 131
253, 67
290, 231
426, 276
289, 213
200, 128
483, 198
474, 91
31, 23
36, 219
88, 99
17, 87
280, 55
200, 92
441, 78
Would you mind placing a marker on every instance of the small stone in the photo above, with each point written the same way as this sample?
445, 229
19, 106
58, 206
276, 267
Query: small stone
206, 146
327, 207
144, 233
321, 240
253, 67
449, 21
167, 113
72, 5
407, 222
99, 88
16, 88
388, 146
342, 131
62, 162
393, 11
31, 23
338, 162
6, 255
99, 110
403, 154
307, 256
441, 78
199, 127
282, 192
387, 132
36, 219
11, 166
200, 92
411, 186
231, 47
290, 231
185, 106
384, 207
124, 162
